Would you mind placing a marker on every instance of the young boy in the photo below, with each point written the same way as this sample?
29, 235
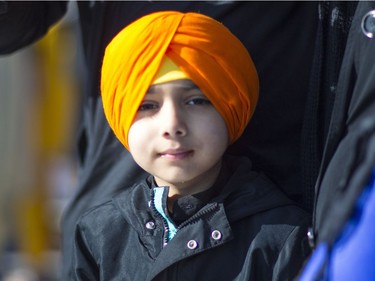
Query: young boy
177, 89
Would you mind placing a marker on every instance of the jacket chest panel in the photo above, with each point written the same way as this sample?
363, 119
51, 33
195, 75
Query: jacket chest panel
193, 238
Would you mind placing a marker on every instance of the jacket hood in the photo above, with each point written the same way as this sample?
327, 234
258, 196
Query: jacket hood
248, 192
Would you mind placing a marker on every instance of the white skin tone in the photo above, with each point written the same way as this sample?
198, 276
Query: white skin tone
179, 137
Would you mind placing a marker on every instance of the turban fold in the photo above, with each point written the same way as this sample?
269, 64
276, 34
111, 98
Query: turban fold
204, 49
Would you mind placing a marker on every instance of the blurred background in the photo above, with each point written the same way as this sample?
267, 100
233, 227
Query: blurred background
39, 110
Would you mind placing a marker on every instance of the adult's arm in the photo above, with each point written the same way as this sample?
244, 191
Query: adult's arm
24, 22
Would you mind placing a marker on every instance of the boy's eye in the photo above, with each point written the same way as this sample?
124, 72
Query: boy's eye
147, 106
198, 101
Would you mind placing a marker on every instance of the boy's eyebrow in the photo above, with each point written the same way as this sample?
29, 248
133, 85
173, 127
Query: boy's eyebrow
150, 90
191, 86
186, 85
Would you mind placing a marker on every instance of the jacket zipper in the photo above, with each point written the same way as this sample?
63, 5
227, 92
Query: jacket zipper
165, 223
196, 216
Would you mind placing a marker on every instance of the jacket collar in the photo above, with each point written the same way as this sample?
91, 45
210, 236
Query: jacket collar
244, 193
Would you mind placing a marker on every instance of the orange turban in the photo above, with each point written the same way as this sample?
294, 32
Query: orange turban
214, 59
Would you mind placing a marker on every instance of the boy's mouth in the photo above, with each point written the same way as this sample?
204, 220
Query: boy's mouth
176, 154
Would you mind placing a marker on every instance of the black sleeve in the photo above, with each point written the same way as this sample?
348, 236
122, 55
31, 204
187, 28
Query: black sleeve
24, 22
293, 254
84, 265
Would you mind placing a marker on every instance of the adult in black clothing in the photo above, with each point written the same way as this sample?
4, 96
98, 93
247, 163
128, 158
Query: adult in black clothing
279, 35
348, 160
344, 210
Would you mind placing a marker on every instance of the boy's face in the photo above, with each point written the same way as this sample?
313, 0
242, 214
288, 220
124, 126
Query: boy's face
179, 137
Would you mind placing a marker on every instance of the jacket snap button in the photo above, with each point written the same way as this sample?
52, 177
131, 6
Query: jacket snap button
216, 235
368, 24
150, 225
311, 237
192, 244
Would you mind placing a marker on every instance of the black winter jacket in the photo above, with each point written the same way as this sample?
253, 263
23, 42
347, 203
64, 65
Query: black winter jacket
259, 236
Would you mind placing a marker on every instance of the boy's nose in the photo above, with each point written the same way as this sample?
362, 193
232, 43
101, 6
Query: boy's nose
173, 122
